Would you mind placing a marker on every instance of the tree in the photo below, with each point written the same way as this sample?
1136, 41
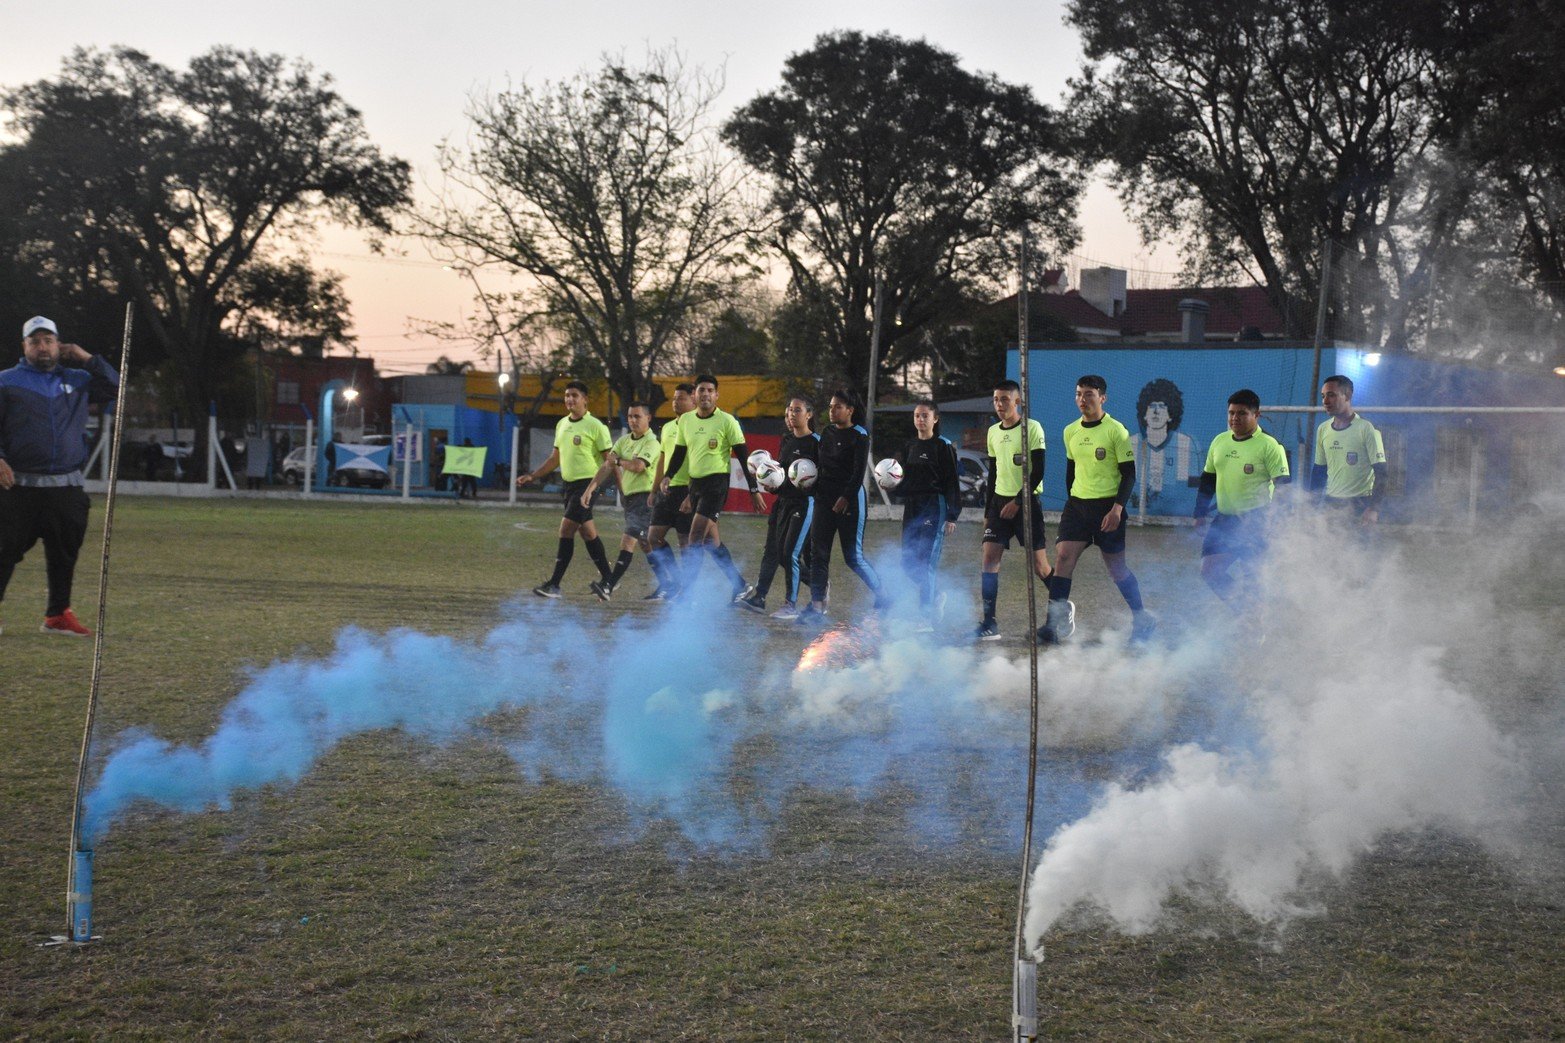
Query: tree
1258, 131
886, 158
448, 367
610, 191
179, 182
1506, 75
287, 306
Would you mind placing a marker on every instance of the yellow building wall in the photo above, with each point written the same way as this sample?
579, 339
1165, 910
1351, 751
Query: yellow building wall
743, 395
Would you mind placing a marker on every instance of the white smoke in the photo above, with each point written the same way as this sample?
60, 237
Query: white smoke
1352, 731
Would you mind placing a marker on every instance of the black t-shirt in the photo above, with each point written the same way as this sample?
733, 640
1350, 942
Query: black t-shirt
795, 448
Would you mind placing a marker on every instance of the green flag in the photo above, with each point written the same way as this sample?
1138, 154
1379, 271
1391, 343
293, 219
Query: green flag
466, 459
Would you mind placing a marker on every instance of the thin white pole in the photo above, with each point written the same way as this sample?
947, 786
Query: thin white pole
407, 462
211, 451
309, 457
516, 457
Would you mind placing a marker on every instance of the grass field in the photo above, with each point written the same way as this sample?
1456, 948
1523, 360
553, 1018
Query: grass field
407, 889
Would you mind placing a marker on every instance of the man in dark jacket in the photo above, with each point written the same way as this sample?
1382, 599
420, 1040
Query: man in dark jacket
43, 446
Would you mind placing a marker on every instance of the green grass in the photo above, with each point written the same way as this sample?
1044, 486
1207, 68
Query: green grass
405, 891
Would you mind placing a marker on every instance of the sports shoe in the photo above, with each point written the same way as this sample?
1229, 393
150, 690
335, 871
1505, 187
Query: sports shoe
755, 603
789, 611
1062, 619
744, 593
810, 616
988, 630
65, 623
657, 595
1143, 625
600, 589
547, 590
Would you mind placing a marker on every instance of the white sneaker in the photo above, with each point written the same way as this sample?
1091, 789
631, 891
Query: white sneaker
789, 611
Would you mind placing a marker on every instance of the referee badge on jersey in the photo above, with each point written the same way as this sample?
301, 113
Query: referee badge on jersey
1101, 454
1016, 458
711, 443
1249, 468
1353, 459
575, 439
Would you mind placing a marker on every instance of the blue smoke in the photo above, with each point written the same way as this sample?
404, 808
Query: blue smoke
663, 710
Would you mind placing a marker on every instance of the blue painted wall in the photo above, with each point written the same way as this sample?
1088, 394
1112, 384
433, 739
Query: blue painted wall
1518, 455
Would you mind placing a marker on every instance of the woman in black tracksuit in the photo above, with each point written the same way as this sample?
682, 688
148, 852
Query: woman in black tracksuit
931, 500
788, 525
840, 504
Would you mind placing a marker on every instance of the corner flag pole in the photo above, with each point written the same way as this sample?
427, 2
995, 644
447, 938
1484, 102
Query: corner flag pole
1024, 984
78, 890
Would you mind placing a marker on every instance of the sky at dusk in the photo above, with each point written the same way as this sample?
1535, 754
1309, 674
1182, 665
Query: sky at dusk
410, 68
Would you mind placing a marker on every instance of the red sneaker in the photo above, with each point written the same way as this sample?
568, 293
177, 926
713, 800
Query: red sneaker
65, 623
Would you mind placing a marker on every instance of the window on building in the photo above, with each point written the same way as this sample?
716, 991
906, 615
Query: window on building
287, 392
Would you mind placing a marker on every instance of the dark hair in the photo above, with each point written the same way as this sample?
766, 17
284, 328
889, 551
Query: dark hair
1008, 385
1095, 382
1341, 381
637, 405
800, 396
705, 378
577, 385
1246, 398
1165, 391
930, 404
855, 407
685, 386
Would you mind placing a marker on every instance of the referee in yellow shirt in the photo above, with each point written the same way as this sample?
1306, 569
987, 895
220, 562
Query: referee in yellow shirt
581, 441
1100, 472
1243, 466
1350, 458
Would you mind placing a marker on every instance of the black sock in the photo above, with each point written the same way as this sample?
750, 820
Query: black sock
991, 589
725, 562
599, 558
1131, 590
1059, 587
562, 560
620, 565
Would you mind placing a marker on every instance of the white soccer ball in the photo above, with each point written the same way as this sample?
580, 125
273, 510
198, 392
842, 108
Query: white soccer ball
802, 473
757, 458
770, 474
888, 473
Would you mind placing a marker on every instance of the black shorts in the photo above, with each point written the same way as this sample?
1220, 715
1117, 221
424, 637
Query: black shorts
1082, 522
574, 511
638, 514
1242, 535
710, 494
1004, 530
666, 513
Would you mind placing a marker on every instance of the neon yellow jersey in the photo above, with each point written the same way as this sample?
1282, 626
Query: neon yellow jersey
1005, 445
1349, 456
1097, 451
670, 438
646, 450
1245, 470
708, 441
582, 444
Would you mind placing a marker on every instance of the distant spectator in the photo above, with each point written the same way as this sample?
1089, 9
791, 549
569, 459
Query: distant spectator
151, 458
466, 482
258, 460
437, 463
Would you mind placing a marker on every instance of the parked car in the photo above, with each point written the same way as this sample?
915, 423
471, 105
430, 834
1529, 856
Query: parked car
972, 477
358, 477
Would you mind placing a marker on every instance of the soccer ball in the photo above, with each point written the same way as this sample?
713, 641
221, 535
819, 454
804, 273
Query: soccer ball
770, 474
802, 473
888, 473
756, 458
